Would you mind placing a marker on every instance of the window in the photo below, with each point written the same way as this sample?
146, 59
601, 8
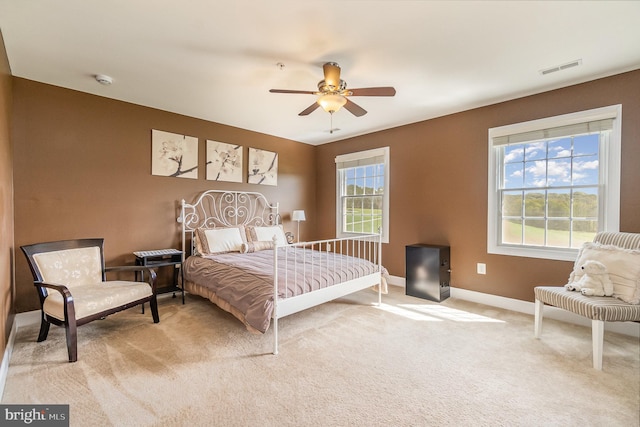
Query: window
362, 194
554, 183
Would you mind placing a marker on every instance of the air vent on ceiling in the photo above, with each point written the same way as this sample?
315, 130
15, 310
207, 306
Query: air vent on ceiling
561, 67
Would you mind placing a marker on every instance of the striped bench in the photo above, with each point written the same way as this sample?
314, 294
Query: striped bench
598, 309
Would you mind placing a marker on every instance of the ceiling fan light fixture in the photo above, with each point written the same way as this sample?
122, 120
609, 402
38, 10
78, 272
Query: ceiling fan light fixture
331, 102
332, 93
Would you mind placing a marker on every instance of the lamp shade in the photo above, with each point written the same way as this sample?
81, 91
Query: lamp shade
298, 216
332, 102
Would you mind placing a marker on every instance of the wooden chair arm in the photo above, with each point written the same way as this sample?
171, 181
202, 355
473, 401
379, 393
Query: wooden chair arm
69, 307
66, 294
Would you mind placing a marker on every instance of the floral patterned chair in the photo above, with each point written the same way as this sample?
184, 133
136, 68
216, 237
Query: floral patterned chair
71, 280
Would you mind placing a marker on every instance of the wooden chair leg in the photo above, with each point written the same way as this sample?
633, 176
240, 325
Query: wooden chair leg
72, 340
597, 336
537, 323
154, 309
44, 329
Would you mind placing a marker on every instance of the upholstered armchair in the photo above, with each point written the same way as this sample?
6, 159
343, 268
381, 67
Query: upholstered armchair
71, 280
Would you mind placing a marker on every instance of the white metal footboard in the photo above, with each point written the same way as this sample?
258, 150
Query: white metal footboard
329, 269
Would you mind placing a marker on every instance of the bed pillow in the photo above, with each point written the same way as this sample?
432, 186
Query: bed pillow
220, 240
257, 234
623, 266
260, 245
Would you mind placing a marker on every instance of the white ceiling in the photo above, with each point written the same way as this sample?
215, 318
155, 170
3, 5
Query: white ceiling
216, 60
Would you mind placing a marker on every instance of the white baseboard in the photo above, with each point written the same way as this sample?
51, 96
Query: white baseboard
4, 367
27, 318
626, 328
20, 319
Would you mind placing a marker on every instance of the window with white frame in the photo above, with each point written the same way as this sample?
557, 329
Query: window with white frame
554, 183
362, 193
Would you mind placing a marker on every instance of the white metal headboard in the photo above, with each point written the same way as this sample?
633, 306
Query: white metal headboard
217, 208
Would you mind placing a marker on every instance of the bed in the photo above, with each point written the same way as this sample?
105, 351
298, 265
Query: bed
236, 254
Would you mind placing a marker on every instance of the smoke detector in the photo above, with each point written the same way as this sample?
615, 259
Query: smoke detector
104, 79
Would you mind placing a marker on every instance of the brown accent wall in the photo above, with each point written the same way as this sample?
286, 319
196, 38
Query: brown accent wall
439, 183
82, 167
6, 201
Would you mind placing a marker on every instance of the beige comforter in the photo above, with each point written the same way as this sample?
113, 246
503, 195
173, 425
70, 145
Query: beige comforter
245, 281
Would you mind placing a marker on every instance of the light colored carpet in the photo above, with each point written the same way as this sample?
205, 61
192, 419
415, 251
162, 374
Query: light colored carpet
345, 363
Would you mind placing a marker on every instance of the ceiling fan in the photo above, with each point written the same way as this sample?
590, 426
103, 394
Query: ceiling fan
333, 93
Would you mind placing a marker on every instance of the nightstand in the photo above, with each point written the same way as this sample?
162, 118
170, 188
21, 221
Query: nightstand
163, 258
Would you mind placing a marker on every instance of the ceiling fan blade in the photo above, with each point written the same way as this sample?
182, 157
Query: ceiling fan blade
310, 109
331, 74
305, 92
354, 108
372, 91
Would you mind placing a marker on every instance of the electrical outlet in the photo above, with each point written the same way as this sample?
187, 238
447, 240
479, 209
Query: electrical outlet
481, 268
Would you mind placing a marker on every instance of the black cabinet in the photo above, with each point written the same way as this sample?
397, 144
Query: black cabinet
428, 271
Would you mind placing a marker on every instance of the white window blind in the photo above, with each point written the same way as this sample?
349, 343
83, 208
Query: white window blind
556, 132
362, 158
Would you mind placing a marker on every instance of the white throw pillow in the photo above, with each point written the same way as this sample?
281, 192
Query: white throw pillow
623, 266
261, 234
220, 240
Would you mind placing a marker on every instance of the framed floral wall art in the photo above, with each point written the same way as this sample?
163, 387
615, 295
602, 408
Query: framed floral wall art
263, 167
174, 155
224, 162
